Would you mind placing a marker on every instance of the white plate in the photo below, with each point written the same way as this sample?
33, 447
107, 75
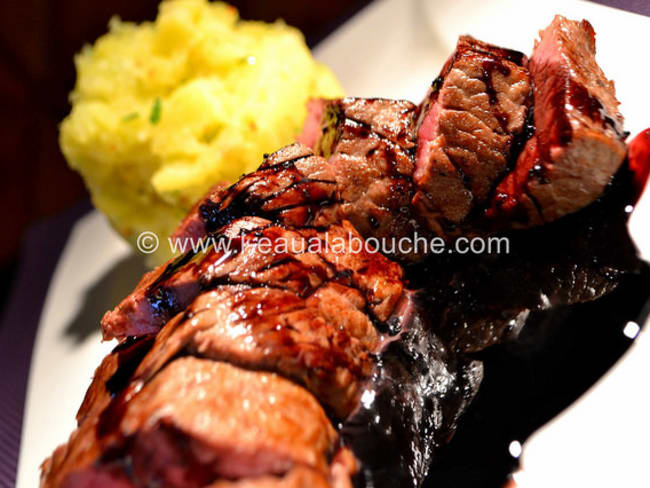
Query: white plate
393, 48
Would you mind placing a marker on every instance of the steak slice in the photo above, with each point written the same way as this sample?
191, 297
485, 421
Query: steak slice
369, 144
158, 417
579, 139
255, 252
468, 129
291, 186
114, 374
165, 291
195, 422
364, 175
324, 341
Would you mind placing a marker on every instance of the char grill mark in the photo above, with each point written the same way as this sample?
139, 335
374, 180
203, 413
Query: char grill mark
369, 145
166, 290
286, 188
468, 126
361, 172
290, 187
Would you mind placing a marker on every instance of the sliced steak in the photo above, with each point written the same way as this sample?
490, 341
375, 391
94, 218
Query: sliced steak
467, 131
325, 341
114, 374
292, 187
165, 291
181, 417
369, 145
193, 226
579, 139
195, 422
364, 175
252, 251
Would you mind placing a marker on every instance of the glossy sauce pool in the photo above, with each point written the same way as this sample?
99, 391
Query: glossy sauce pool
560, 352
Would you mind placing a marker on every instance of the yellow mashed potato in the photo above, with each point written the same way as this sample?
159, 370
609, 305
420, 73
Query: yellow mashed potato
162, 111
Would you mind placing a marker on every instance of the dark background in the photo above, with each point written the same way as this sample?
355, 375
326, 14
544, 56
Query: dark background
38, 39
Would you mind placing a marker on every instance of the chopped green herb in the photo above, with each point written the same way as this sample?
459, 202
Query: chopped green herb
131, 116
156, 111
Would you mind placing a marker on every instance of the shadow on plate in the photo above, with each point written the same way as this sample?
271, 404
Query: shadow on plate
107, 292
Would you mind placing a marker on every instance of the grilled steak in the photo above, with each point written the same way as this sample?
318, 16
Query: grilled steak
405, 398
579, 140
369, 143
235, 363
291, 186
195, 421
362, 173
236, 258
311, 324
467, 131
323, 341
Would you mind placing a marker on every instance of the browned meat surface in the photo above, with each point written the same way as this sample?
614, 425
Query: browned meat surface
193, 225
369, 144
579, 140
143, 406
194, 422
113, 374
324, 341
163, 292
467, 130
234, 362
361, 172
238, 259
292, 187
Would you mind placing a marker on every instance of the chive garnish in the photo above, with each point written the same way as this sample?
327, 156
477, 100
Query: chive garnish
131, 116
156, 111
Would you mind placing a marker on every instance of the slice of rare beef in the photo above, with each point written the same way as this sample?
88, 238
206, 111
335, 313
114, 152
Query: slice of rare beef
364, 175
369, 145
468, 129
579, 139
196, 422
253, 251
324, 341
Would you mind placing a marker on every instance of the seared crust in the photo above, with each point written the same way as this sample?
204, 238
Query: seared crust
579, 139
193, 422
360, 170
467, 129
